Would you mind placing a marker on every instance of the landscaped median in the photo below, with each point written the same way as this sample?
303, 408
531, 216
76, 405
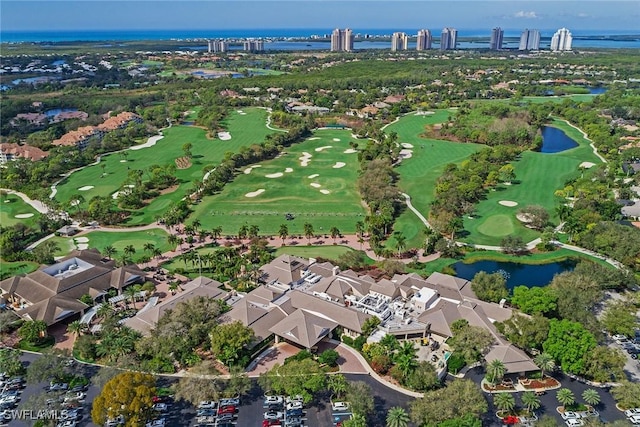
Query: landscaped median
523, 384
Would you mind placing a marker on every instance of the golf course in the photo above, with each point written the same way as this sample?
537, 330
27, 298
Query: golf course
14, 210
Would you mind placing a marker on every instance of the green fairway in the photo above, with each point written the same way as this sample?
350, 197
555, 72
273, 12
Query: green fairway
538, 176
9, 269
322, 192
12, 206
119, 240
245, 129
419, 173
327, 252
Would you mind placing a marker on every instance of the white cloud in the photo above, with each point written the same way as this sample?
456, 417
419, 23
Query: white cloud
583, 15
526, 15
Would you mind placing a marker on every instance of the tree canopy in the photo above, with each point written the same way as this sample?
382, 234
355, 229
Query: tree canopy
129, 394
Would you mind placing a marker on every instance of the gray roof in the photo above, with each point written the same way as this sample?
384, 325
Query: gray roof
304, 328
285, 269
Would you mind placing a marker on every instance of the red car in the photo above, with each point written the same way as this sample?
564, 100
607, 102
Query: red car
269, 423
227, 410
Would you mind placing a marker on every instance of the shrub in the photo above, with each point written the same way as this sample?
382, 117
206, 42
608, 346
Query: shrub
301, 355
359, 342
455, 363
381, 364
347, 340
329, 357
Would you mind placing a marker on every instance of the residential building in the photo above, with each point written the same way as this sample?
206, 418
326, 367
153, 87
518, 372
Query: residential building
497, 34
32, 119
52, 293
399, 41
529, 40
342, 40
561, 40
424, 40
10, 152
83, 135
448, 38
253, 46
217, 46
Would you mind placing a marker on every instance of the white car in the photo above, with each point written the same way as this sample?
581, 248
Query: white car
273, 400
568, 415
273, 415
634, 419
294, 405
160, 407
574, 422
156, 423
619, 337
208, 404
632, 412
339, 406
230, 401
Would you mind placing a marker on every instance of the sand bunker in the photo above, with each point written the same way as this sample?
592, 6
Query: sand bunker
86, 188
325, 191
274, 175
81, 239
406, 145
339, 165
524, 218
586, 165
255, 193
288, 170
425, 113
508, 203
323, 148
224, 136
336, 139
240, 111
250, 168
313, 139
350, 151
315, 185
115, 195
150, 143
130, 186
82, 246
406, 154
315, 175
305, 158
123, 161
74, 202
25, 215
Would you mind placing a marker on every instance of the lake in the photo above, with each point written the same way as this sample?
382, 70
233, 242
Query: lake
555, 140
516, 273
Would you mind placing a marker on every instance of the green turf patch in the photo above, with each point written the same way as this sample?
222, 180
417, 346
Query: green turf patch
496, 226
320, 190
8, 269
328, 252
12, 205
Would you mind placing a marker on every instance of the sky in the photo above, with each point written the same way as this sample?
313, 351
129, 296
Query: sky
28, 15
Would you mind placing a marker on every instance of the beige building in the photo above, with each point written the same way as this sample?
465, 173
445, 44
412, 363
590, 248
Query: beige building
399, 41
342, 40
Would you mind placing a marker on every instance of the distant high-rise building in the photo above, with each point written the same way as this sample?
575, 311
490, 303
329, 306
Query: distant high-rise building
253, 46
399, 41
497, 34
530, 40
342, 40
448, 38
424, 40
561, 40
216, 46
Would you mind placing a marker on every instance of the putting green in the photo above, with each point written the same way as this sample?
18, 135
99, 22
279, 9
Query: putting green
496, 226
328, 199
246, 129
12, 205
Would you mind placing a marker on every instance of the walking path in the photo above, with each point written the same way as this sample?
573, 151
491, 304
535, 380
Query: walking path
585, 136
35, 204
407, 199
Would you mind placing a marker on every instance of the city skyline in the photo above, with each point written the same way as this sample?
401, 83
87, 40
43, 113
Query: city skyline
266, 14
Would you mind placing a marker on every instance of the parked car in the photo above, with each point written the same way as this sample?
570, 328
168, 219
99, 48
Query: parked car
294, 405
208, 404
632, 412
297, 398
156, 423
574, 422
70, 414
294, 413
293, 422
273, 415
568, 415
634, 419
339, 406
270, 423
114, 422
226, 410
68, 423
74, 396
230, 401
619, 337
160, 407
273, 400
206, 413
58, 386
225, 418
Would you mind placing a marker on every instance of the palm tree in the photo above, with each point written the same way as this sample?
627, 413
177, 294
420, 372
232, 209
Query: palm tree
157, 252
173, 287
173, 241
504, 402
397, 417
196, 224
335, 233
242, 231
109, 251
495, 370
308, 231
131, 292
400, 241
359, 228
149, 247
129, 250
545, 362
253, 231
337, 384
591, 397
357, 420
530, 400
105, 310
565, 397
76, 327
283, 232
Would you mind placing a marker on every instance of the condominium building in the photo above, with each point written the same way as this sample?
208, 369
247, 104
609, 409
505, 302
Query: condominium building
497, 34
399, 41
253, 46
448, 38
216, 46
529, 40
561, 40
342, 40
424, 40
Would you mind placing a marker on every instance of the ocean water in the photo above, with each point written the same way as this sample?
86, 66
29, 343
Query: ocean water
582, 38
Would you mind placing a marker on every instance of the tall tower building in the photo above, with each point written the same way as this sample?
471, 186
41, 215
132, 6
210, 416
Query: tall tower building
561, 40
253, 46
497, 34
216, 46
424, 40
399, 41
530, 40
342, 40
448, 38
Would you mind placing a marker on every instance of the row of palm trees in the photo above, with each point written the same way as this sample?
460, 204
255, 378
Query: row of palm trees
506, 402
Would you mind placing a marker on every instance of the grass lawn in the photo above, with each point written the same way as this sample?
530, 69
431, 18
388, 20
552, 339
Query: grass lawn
119, 240
12, 205
538, 176
419, 173
291, 190
245, 130
178, 262
8, 269
328, 252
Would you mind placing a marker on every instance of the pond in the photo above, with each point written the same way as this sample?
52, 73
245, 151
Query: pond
516, 273
555, 140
